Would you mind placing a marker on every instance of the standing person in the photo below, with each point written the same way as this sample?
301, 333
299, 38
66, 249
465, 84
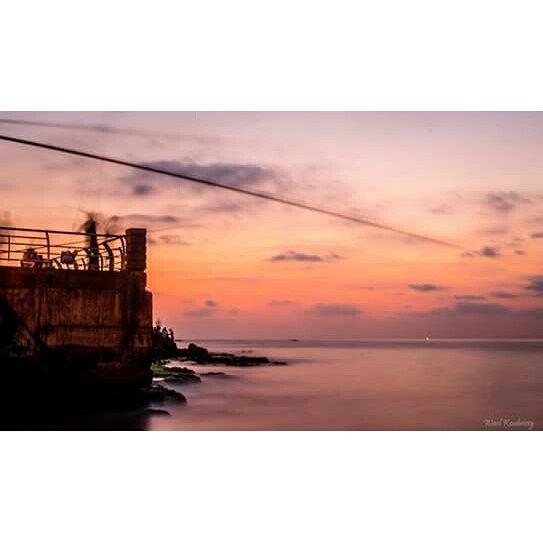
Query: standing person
89, 227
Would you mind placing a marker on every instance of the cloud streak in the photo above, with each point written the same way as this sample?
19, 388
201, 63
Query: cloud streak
485, 310
209, 308
280, 303
425, 287
144, 220
535, 285
489, 251
467, 309
107, 129
144, 183
334, 310
504, 295
296, 256
505, 201
169, 239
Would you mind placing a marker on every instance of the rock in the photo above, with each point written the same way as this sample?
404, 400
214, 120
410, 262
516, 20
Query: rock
182, 378
232, 360
159, 393
175, 369
215, 374
221, 359
175, 374
247, 361
202, 356
196, 353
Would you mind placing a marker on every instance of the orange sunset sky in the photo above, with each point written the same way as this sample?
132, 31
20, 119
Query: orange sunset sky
223, 265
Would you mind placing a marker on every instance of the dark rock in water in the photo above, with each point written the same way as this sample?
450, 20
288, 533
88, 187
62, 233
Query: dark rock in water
197, 353
247, 361
175, 369
158, 393
215, 374
202, 356
219, 359
194, 352
175, 374
182, 379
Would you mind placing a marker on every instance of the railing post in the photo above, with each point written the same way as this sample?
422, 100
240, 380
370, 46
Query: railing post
48, 247
33, 248
136, 249
110, 257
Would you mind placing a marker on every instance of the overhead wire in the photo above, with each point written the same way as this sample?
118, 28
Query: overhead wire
240, 190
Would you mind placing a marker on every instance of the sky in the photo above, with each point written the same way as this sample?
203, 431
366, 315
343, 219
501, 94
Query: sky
224, 265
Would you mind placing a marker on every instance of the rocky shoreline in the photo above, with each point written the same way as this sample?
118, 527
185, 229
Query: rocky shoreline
40, 388
200, 355
163, 371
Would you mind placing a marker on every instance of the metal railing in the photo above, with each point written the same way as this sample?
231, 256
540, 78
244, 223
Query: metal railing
33, 248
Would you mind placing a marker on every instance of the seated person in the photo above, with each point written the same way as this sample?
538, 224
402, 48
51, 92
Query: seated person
32, 259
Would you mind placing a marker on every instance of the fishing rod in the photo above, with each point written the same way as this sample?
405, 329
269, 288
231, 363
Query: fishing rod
231, 188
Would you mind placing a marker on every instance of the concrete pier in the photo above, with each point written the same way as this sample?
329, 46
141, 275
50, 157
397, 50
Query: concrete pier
99, 320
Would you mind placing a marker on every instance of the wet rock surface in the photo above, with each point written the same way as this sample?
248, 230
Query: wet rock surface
214, 374
196, 353
200, 355
159, 393
172, 374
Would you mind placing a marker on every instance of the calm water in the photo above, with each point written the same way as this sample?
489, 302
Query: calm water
351, 385
347, 385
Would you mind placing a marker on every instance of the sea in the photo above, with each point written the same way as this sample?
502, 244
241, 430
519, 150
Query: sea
367, 385
351, 385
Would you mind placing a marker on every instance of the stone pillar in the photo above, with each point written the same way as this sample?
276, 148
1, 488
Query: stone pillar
138, 311
136, 249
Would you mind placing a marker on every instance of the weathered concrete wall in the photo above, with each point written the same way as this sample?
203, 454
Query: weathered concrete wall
95, 318
95, 309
